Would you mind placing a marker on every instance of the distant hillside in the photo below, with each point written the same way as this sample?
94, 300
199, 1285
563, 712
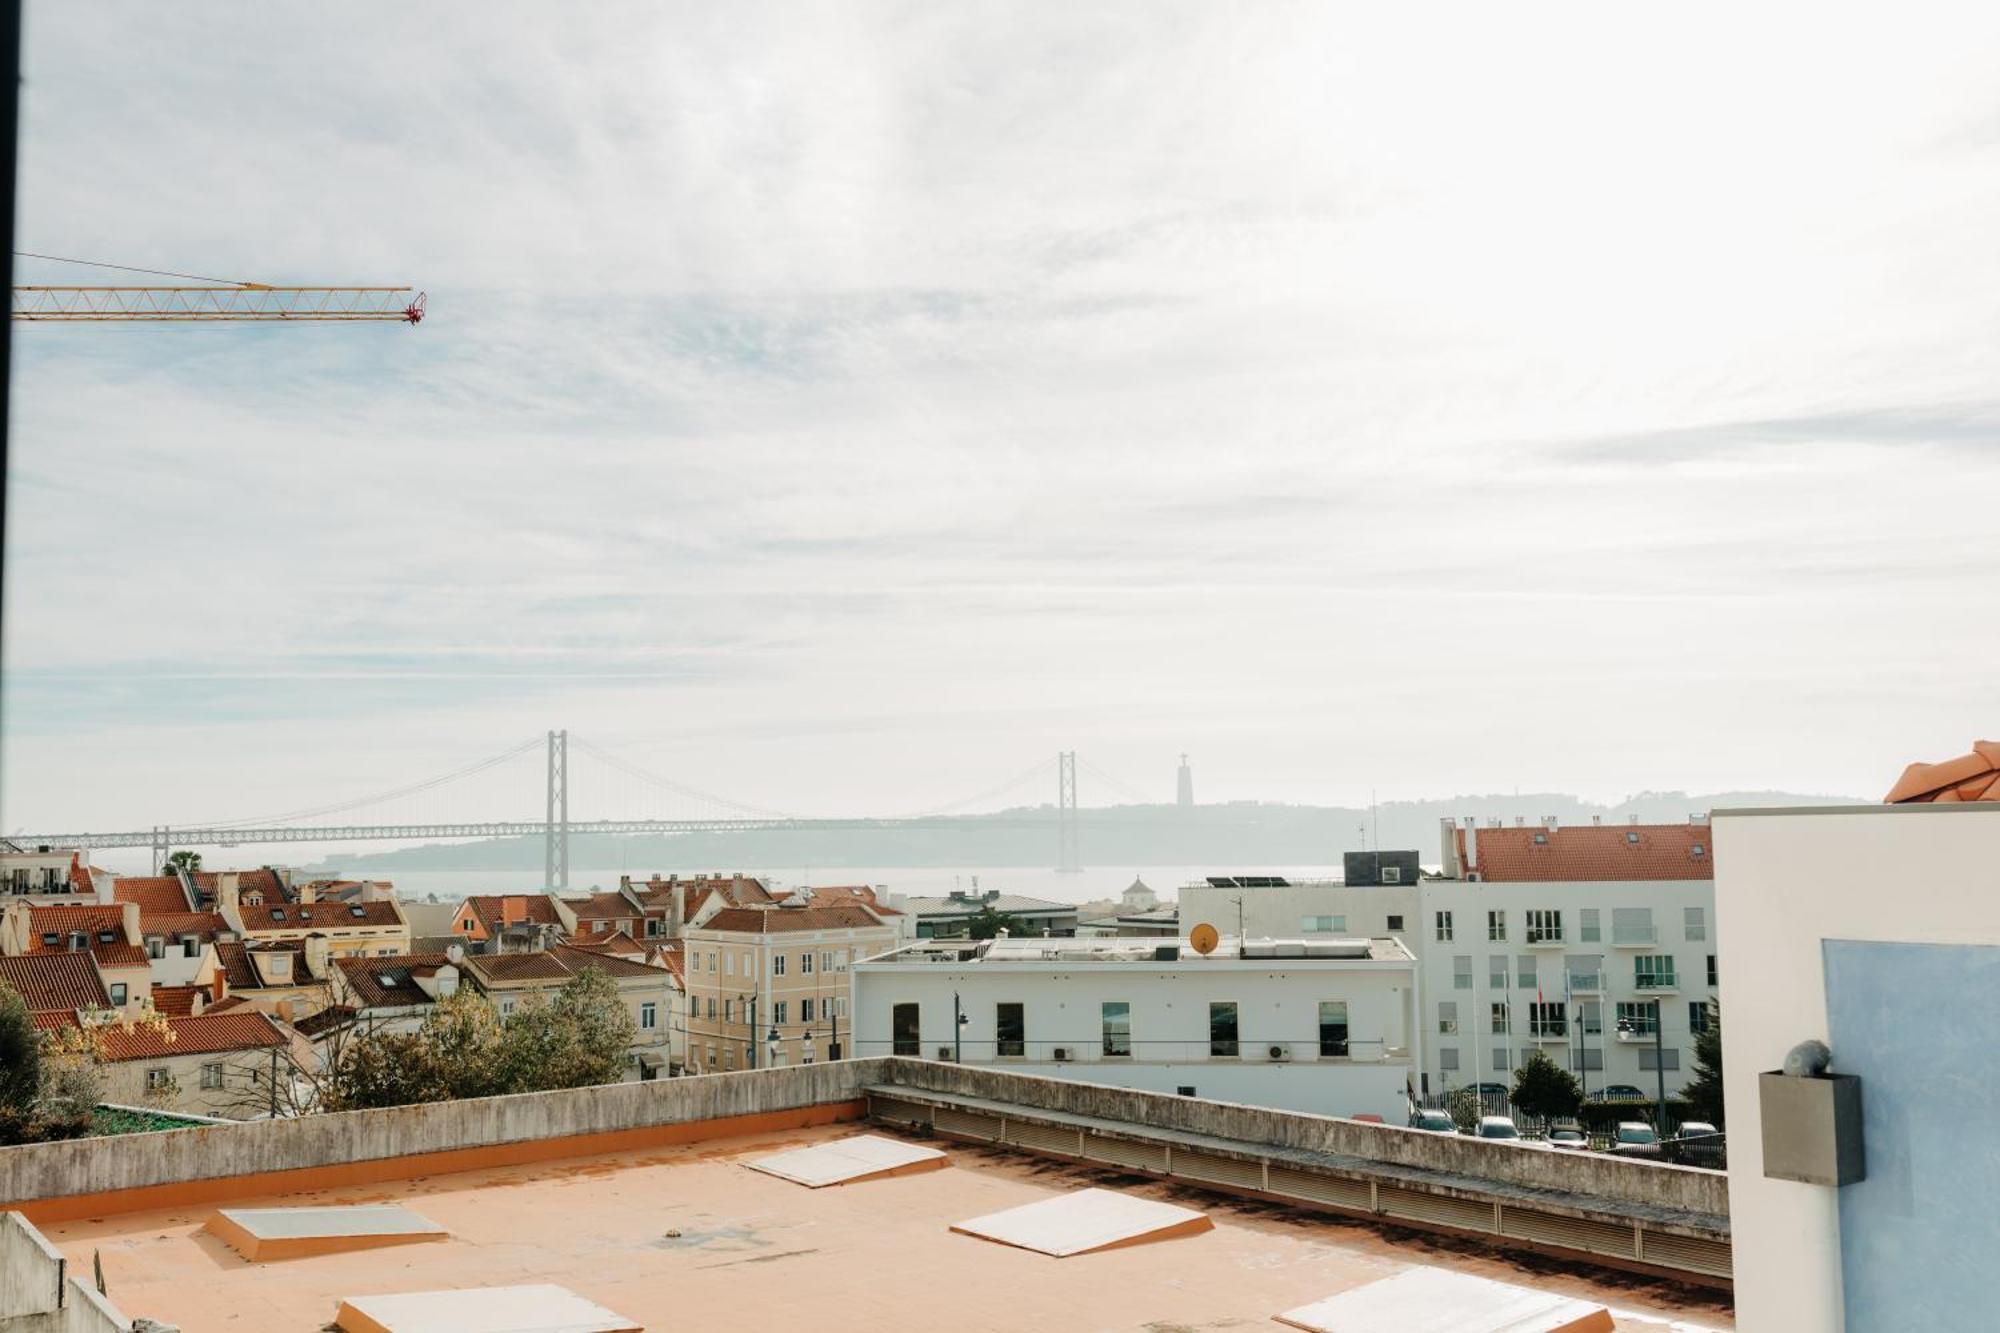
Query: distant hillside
1241, 833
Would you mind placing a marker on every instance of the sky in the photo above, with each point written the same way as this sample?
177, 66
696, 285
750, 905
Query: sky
841, 408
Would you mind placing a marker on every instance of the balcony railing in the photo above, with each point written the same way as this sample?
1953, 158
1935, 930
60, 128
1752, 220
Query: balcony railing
1656, 981
1548, 1030
1548, 938
1580, 982
1629, 1036
1626, 937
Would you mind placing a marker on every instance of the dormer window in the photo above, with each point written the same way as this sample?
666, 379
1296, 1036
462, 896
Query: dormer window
78, 940
277, 914
358, 912
1632, 837
50, 939
106, 937
1698, 851
1541, 838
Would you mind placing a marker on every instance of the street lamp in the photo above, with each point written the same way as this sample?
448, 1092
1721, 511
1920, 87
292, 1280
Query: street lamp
773, 1040
806, 1048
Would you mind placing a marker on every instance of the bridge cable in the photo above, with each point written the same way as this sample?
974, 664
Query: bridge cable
678, 788
376, 799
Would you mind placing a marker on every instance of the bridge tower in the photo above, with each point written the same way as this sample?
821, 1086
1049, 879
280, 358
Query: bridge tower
555, 835
1069, 859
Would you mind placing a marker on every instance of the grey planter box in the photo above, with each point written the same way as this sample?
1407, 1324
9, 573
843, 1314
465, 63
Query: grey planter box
1812, 1128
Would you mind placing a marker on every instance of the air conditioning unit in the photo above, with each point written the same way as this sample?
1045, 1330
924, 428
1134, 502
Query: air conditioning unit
1062, 1054
944, 1052
1392, 874
1448, 1026
1281, 1052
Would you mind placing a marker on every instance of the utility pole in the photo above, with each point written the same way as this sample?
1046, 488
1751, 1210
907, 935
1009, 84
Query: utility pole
1660, 1065
1069, 859
274, 1083
751, 1000
957, 1027
555, 834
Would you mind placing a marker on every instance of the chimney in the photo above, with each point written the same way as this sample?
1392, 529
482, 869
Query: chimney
512, 909
447, 981
316, 956
308, 894
220, 984
1549, 823
1471, 846
131, 923
454, 954
1448, 831
676, 907
1596, 820
228, 891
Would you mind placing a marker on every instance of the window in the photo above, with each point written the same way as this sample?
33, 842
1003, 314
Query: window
1632, 836
1592, 1057
1448, 1058
1696, 921
1501, 1064
1545, 926
158, 1078
777, 965
652, 925
1448, 1016
211, 1076
50, 939
1010, 1026
1222, 1028
826, 960
1698, 1016
1461, 972
1711, 971
1586, 971
1499, 1018
1392, 874
694, 961
1322, 925
1633, 925
1653, 971
712, 1064
1541, 839
649, 1016
1547, 1019
1496, 971
1651, 1060
781, 1011
729, 965
1524, 968
1395, 923
904, 1038
1333, 1029
1593, 1016
727, 1015
1444, 927
1496, 925
156, 947
806, 962
839, 1007
507, 1008
1117, 1023
711, 1007
277, 914
117, 992
1640, 1019
1587, 928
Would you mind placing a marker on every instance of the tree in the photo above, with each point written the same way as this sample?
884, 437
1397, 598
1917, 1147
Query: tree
183, 860
1544, 1089
1703, 1094
1464, 1106
988, 922
577, 1039
20, 1055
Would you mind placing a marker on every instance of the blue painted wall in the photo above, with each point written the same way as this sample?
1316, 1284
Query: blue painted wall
1920, 1237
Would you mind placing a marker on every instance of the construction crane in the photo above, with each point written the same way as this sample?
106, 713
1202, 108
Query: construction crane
220, 299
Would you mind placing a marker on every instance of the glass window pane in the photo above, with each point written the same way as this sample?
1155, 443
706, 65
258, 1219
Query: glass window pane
1222, 1031
1333, 1029
1011, 1028
1117, 1018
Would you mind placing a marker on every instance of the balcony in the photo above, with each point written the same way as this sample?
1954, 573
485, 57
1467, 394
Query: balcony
1631, 1036
1634, 937
1586, 983
1657, 983
1547, 939
1548, 1032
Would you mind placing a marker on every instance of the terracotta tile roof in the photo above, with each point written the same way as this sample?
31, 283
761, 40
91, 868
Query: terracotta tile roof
91, 919
53, 1020
604, 907
853, 893
618, 942
153, 893
173, 925
210, 1034
177, 1001
319, 916
518, 967
1970, 777
59, 981
264, 881
235, 955
120, 955
1592, 852
494, 910
775, 920
378, 982
326, 1020
227, 1003
576, 960
672, 955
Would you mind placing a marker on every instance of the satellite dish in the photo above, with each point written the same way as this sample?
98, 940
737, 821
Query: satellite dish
1203, 939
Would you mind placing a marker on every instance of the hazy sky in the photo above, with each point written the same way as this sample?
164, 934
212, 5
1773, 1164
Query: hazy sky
844, 407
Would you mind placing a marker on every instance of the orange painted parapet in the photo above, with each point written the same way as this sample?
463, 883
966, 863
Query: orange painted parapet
1970, 777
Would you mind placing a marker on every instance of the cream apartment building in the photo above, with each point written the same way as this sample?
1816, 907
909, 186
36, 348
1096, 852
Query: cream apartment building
772, 984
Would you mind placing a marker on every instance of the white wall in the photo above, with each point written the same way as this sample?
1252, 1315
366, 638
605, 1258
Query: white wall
1788, 880
1169, 1025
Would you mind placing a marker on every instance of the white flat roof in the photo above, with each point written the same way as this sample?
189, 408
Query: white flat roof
367, 1219
863, 1157
1436, 1300
1085, 1220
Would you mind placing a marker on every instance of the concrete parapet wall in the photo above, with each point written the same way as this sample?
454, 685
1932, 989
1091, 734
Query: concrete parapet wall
595, 1119
1653, 1185
35, 1296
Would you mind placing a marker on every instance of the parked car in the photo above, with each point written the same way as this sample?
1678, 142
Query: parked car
1622, 1092
1499, 1090
1434, 1122
1635, 1138
1700, 1144
1501, 1129
1571, 1140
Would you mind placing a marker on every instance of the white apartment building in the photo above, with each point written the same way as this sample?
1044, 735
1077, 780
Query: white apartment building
1592, 943
1326, 1026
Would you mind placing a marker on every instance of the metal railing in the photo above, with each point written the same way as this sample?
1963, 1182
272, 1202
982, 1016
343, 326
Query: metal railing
1093, 1049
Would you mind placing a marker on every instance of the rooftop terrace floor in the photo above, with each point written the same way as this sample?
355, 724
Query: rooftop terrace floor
679, 1235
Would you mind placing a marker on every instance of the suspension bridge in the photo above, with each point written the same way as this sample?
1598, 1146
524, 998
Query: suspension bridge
556, 827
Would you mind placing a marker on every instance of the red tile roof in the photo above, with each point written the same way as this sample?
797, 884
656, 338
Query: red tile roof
173, 925
210, 1034
264, 881
120, 955
377, 982
1592, 852
319, 916
497, 910
773, 920
226, 1003
91, 919
844, 893
153, 893
234, 955
177, 1001
1970, 777
672, 955
518, 967
56, 981
576, 960
604, 907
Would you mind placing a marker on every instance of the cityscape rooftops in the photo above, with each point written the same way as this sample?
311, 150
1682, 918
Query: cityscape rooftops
153, 893
207, 1034
56, 982
387, 982
1970, 777
1088, 951
810, 916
